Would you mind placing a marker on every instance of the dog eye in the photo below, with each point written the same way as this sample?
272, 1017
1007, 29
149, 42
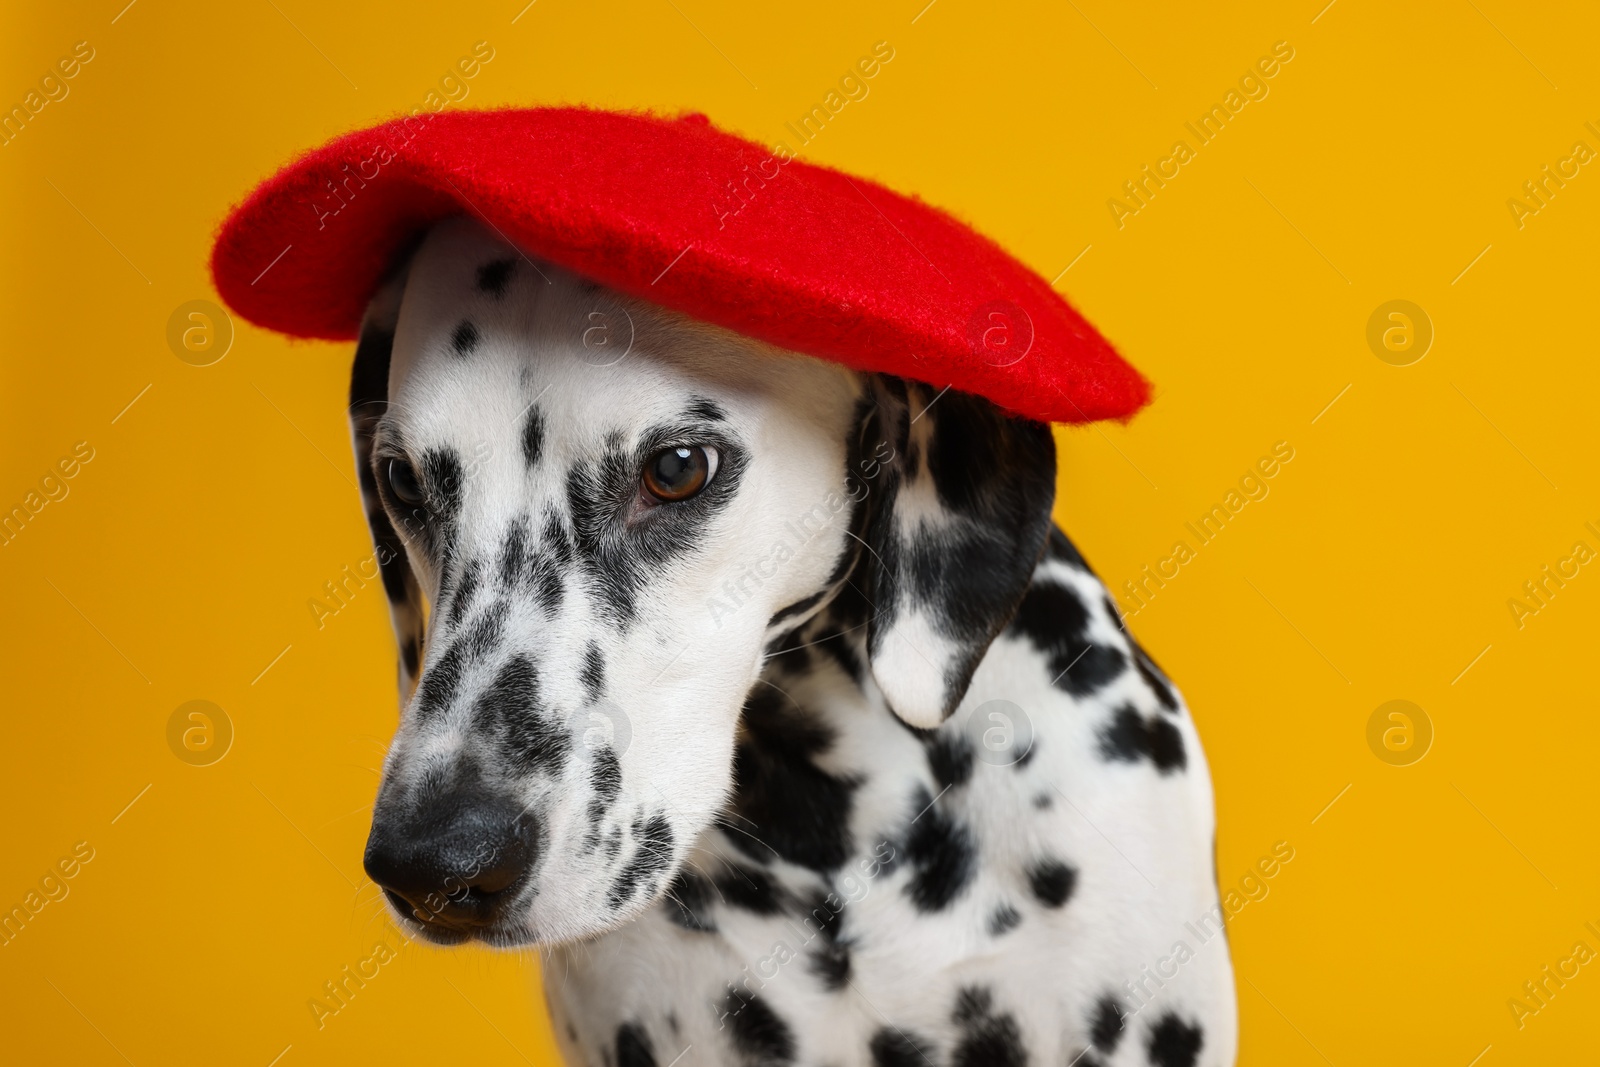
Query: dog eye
680, 472
404, 484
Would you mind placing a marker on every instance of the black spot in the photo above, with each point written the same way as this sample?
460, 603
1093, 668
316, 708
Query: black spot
1154, 678
1129, 737
942, 854
759, 1036
1005, 918
950, 757
510, 706
441, 469
1043, 801
556, 538
606, 774
1105, 1030
749, 889
411, 654
546, 582
1060, 547
894, 1047
783, 802
1174, 1043
620, 558
996, 475
495, 275
972, 441
840, 646
987, 1039
794, 648
605, 778
701, 407
515, 554
633, 1047
534, 570
533, 437
1056, 621
439, 684
456, 597
829, 960
797, 608
831, 963
652, 853
593, 675
1052, 881
464, 339
688, 902
481, 637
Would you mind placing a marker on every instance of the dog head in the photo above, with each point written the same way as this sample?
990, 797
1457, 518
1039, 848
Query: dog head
592, 517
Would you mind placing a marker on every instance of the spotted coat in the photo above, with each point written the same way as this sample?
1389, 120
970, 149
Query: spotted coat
847, 758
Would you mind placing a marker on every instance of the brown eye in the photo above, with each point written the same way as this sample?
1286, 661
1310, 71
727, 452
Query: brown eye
680, 472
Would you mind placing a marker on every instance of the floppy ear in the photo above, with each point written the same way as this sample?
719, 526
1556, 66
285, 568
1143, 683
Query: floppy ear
369, 398
958, 523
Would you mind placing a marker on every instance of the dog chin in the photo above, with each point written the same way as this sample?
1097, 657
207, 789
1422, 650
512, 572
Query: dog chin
495, 935
571, 929
522, 934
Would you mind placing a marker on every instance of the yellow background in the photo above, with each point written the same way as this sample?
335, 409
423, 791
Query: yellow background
1378, 568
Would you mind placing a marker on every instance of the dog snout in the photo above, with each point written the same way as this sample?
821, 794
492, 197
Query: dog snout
456, 865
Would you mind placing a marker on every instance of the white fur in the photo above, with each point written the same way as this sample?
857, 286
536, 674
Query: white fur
1140, 841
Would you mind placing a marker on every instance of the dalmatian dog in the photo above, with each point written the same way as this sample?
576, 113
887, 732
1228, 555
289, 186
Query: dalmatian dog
762, 696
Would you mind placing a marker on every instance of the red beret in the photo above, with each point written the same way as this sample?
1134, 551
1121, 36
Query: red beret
686, 216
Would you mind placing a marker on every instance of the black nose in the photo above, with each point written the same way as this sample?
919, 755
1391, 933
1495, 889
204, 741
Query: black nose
454, 864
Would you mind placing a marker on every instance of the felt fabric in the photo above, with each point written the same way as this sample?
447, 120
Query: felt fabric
691, 218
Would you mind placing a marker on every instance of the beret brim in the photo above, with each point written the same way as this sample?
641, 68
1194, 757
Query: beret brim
686, 216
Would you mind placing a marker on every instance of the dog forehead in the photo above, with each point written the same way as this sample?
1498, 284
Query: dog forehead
486, 335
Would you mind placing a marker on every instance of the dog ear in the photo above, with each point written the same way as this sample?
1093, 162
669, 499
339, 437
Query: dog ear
369, 398
954, 531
